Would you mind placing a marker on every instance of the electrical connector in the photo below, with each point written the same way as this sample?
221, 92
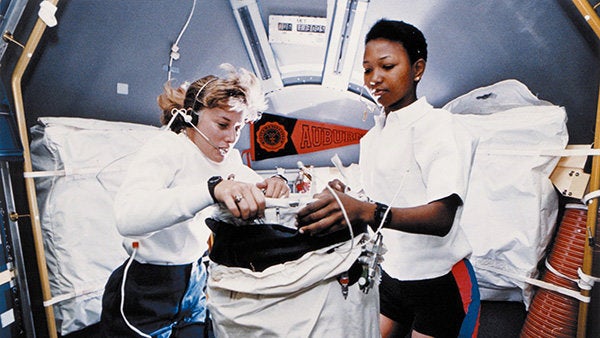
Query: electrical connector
344, 280
175, 52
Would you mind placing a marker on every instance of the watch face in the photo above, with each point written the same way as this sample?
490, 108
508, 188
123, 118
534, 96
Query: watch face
215, 179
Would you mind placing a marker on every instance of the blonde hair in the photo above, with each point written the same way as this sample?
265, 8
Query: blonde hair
239, 91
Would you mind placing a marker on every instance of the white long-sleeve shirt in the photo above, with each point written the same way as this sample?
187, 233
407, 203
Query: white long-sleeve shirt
164, 190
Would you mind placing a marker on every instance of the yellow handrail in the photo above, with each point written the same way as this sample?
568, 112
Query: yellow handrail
30, 46
592, 213
588, 13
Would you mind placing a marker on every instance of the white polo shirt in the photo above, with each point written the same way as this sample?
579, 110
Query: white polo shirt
413, 157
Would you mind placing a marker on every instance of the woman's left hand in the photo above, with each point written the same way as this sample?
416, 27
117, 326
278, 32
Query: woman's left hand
274, 187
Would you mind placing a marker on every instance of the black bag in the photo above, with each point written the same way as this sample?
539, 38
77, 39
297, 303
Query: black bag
259, 246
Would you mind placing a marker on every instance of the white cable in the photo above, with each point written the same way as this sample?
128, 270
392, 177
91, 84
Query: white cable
345, 215
184, 112
391, 203
314, 179
222, 151
174, 113
188, 119
387, 211
175, 46
133, 328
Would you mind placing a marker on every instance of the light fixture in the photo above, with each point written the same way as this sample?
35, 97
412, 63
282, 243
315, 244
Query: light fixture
347, 21
257, 44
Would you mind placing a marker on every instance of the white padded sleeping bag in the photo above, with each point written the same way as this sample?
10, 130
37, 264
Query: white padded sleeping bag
511, 206
84, 160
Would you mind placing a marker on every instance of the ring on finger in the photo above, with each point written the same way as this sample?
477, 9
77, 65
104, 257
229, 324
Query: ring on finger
238, 198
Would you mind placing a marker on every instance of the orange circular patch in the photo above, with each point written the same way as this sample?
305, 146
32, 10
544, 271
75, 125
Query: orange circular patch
272, 136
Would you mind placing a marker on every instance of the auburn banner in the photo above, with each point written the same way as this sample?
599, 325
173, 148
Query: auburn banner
275, 136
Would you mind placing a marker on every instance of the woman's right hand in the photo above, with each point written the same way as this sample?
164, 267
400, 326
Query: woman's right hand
244, 200
324, 215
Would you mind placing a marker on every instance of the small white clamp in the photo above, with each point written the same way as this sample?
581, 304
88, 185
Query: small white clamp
46, 13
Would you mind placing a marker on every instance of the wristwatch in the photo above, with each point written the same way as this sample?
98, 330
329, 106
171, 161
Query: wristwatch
212, 183
380, 212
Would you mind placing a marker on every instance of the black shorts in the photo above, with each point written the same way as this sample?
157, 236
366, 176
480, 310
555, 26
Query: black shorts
433, 307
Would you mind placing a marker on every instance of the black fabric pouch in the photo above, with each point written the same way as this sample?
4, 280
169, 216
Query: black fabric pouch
259, 246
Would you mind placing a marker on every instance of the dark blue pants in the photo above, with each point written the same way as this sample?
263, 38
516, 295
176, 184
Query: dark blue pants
161, 301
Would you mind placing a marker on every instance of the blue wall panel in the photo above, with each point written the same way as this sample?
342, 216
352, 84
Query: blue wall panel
97, 44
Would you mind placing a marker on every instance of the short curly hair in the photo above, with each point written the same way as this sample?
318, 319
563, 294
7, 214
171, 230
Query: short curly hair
408, 35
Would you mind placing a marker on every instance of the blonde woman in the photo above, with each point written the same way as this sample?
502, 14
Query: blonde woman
159, 290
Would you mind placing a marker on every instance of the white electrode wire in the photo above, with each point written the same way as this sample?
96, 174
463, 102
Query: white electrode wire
370, 93
183, 112
372, 97
387, 211
133, 328
174, 113
176, 44
186, 23
101, 171
391, 203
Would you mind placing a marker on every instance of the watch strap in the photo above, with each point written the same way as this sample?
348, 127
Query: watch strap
380, 213
212, 183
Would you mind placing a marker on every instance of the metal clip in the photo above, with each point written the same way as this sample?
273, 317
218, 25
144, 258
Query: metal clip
8, 37
370, 259
13, 216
